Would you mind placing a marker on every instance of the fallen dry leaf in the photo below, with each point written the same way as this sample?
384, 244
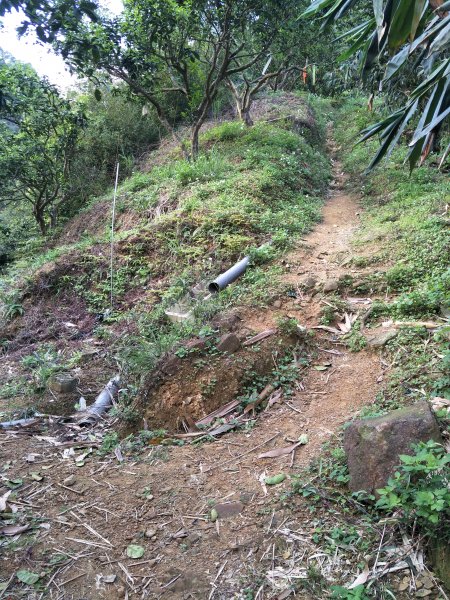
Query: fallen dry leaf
361, 579
279, 451
259, 337
3, 500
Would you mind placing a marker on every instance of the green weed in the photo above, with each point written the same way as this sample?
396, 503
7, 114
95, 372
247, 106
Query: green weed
419, 491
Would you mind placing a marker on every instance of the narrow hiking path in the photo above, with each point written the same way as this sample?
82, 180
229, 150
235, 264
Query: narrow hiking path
85, 516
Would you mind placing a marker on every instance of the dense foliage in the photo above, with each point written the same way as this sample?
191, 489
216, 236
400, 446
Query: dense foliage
400, 33
38, 134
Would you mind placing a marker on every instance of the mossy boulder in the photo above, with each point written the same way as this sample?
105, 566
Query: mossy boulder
373, 445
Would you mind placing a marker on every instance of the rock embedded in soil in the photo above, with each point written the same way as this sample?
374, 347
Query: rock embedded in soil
226, 322
228, 509
229, 343
196, 344
331, 285
308, 282
150, 533
63, 384
380, 340
373, 445
170, 364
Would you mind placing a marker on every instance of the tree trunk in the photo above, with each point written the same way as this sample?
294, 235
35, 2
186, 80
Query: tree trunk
245, 116
53, 217
38, 215
194, 141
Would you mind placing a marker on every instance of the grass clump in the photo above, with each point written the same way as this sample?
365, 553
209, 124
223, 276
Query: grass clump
407, 215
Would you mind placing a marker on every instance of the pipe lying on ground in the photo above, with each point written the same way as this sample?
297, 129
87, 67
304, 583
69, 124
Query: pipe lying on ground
102, 404
18, 423
229, 276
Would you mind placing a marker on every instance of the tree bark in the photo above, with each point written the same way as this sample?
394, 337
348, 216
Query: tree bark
38, 215
194, 140
244, 115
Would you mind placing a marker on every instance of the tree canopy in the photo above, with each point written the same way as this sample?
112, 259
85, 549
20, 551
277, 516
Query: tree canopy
162, 48
38, 133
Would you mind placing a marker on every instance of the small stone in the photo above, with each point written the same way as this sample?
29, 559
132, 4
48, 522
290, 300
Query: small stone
192, 538
246, 497
196, 345
427, 582
150, 533
423, 593
228, 509
226, 322
301, 331
380, 340
403, 585
63, 384
69, 480
171, 365
229, 343
308, 282
331, 285
277, 304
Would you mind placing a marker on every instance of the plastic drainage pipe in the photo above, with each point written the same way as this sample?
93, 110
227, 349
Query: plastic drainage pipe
102, 403
229, 276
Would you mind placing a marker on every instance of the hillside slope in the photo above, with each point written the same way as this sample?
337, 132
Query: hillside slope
159, 481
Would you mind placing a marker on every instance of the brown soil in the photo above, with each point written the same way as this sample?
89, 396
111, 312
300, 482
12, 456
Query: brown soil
170, 490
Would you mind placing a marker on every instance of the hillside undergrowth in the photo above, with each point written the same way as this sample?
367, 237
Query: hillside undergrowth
253, 192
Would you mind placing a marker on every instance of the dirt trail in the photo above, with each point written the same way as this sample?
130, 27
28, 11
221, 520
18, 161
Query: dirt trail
161, 500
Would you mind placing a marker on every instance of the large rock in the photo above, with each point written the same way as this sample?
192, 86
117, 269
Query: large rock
229, 343
380, 340
373, 445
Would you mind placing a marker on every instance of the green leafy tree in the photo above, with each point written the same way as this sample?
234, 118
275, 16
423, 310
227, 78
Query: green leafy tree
396, 34
50, 18
38, 133
115, 131
163, 49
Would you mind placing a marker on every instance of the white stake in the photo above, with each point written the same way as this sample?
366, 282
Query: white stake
112, 231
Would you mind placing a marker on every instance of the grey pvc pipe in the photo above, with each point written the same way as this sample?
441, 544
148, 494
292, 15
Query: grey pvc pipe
102, 403
18, 422
229, 276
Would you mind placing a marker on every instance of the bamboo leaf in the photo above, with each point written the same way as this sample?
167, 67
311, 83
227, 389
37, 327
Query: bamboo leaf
390, 141
379, 16
432, 125
396, 63
401, 23
419, 7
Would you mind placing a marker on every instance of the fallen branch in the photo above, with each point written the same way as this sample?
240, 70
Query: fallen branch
259, 337
239, 456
